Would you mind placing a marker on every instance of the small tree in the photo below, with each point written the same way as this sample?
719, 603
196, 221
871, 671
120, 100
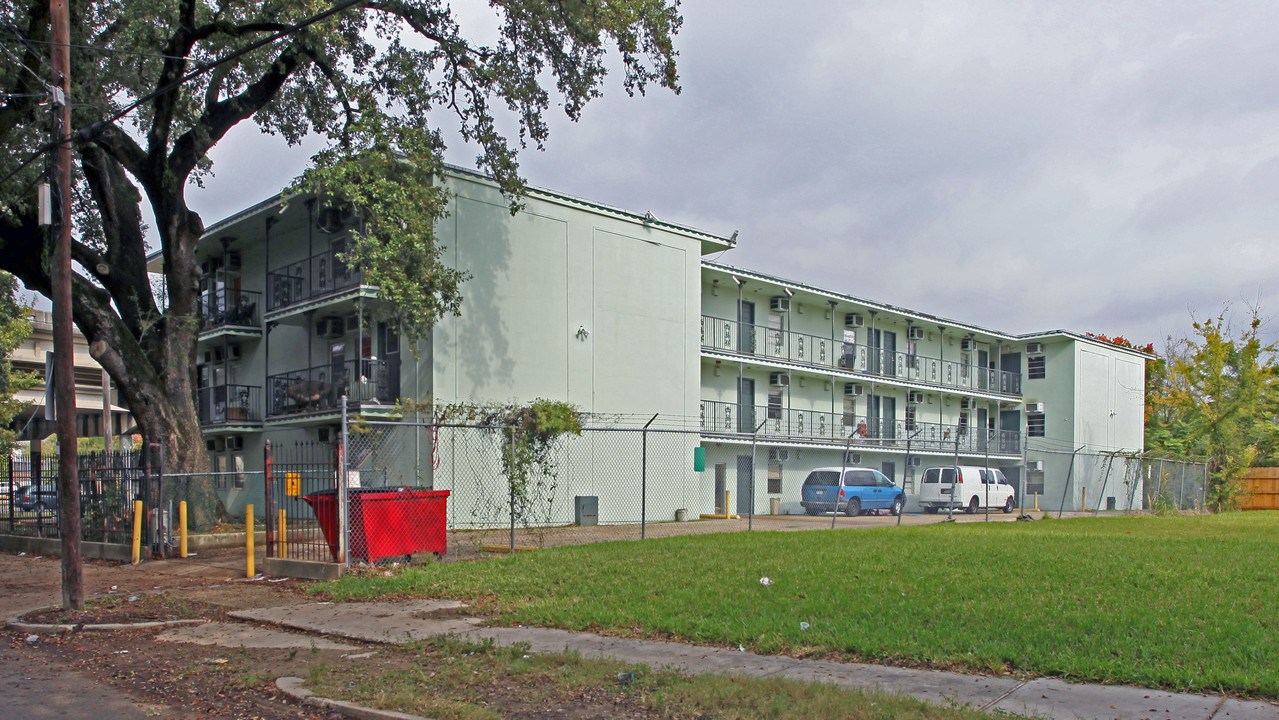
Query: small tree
1215, 396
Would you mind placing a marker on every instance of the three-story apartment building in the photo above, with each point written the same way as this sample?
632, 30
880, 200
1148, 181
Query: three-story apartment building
617, 312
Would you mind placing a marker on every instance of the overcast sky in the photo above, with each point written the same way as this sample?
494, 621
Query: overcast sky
1096, 166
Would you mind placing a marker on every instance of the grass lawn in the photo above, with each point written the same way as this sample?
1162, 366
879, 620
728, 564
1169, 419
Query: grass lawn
1186, 603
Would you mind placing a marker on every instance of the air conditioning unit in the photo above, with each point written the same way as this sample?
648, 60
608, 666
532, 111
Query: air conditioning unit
854, 320
967, 344
329, 327
1034, 348
215, 444
780, 303
854, 458
779, 379
1035, 466
332, 220
916, 461
778, 454
915, 333
852, 389
234, 442
233, 351
916, 398
966, 404
1037, 407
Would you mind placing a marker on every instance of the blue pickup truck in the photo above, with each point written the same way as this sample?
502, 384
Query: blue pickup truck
862, 489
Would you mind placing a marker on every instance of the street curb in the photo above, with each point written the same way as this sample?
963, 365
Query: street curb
292, 686
59, 629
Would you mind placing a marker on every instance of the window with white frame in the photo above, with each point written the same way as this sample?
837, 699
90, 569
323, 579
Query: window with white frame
1035, 424
1036, 368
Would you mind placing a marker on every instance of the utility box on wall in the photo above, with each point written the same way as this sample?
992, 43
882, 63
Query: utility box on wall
586, 510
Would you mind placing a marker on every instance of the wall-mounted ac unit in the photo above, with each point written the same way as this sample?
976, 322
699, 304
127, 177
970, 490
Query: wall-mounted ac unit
213, 355
779, 379
1035, 466
234, 442
854, 458
852, 389
854, 320
331, 219
778, 454
780, 303
916, 333
352, 323
329, 327
1034, 348
915, 398
233, 351
967, 344
215, 444
966, 404
916, 461
1037, 407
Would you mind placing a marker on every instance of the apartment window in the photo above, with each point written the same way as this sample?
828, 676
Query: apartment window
775, 478
774, 404
910, 417
1035, 482
1035, 424
1035, 367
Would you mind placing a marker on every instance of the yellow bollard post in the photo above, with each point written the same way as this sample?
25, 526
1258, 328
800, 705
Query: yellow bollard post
1084, 504
1036, 502
284, 536
137, 531
248, 539
182, 529
727, 511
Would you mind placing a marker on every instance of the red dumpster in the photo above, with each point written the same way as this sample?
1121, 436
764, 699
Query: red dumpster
385, 521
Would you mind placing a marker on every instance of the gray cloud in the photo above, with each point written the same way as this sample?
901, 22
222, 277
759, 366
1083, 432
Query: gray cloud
1098, 166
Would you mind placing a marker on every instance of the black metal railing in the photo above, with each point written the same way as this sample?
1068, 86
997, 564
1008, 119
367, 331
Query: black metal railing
313, 277
229, 307
768, 343
729, 418
321, 388
109, 483
230, 404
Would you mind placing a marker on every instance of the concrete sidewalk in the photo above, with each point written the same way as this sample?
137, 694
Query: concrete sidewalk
399, 622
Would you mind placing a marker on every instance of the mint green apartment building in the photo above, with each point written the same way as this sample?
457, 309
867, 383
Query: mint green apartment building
620, 313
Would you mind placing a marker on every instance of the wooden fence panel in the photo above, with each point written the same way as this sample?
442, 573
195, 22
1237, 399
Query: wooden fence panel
1263, 489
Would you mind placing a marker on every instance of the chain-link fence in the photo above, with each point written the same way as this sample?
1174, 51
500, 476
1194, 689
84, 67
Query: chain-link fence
1093, 481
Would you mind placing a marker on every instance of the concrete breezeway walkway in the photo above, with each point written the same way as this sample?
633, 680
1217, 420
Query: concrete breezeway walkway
400, 622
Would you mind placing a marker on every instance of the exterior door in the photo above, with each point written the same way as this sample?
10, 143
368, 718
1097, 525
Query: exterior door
983, 369
983, 429
1010, 378
389, 378
888, 417
721, 485
746, 405
874, 352
746, 327
1010, 431
745, 467
889, 345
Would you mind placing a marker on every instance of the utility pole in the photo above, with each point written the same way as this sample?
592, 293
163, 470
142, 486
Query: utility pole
63, 342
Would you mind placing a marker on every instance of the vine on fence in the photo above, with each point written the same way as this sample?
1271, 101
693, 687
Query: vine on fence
530, 435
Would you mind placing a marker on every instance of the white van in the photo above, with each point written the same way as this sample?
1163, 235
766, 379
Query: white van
973, 489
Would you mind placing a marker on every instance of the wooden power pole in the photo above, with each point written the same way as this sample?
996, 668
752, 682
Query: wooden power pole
63, 341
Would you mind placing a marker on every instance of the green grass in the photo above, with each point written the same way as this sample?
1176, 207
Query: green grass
1186, 603
451, 680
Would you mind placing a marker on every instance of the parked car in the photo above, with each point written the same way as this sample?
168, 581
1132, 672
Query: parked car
862, 489
972, 489
32, 497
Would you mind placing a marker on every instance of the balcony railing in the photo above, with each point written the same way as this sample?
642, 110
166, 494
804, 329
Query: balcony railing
727, 418
771, 344
320, 389
229, 307
313, 277
230, 404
